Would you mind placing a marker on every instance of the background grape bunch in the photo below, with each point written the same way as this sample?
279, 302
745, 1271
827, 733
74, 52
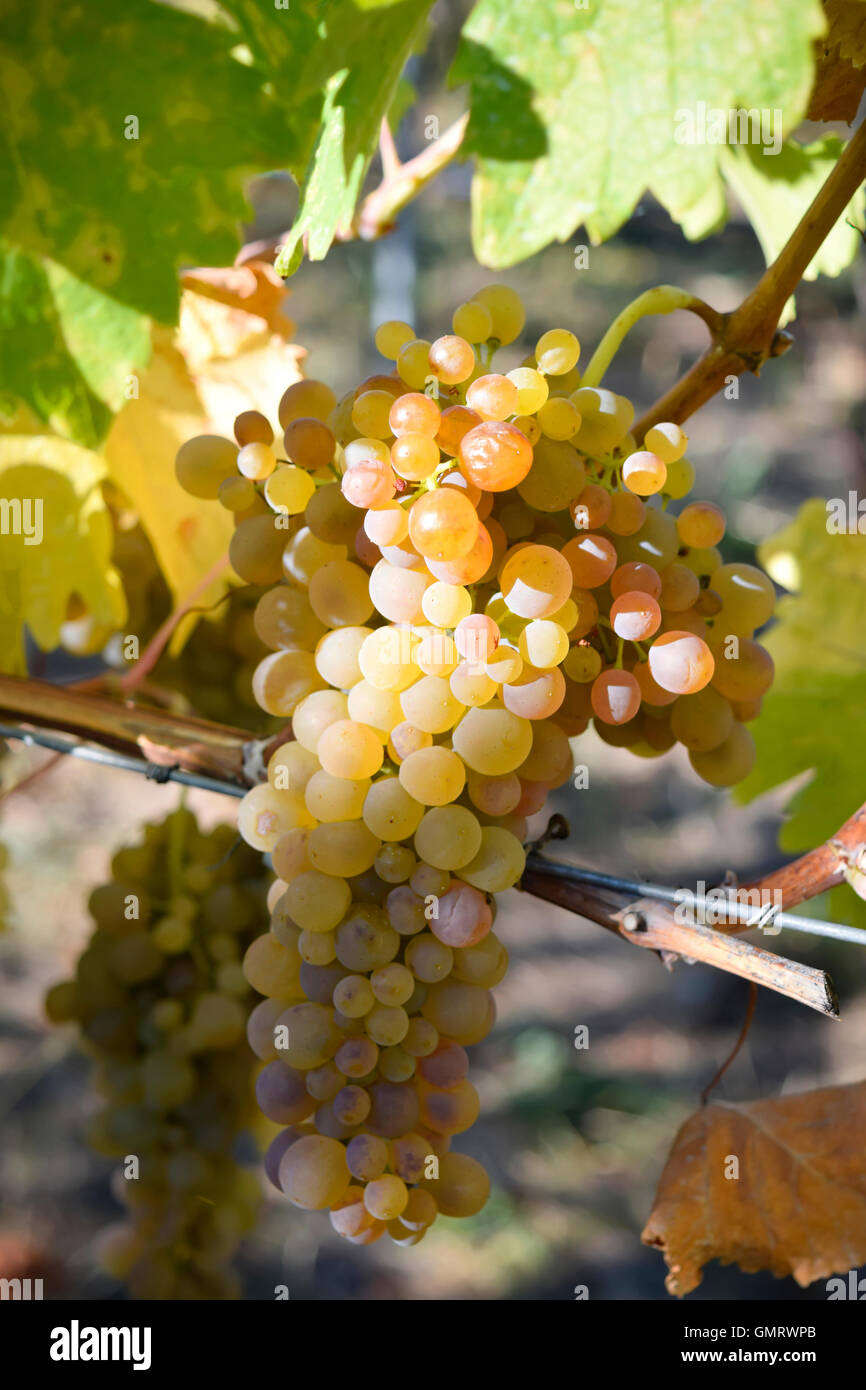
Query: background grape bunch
467, 567
161, 1002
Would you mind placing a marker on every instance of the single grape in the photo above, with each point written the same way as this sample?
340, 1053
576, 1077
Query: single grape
495, 456
414, 413
557, 351
391, 336
681, 662
451, 359
615, 696
701, 524
472, 321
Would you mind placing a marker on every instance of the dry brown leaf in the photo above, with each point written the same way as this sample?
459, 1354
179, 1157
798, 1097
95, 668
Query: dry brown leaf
798, 1205
837, 89
840, 56
847, 29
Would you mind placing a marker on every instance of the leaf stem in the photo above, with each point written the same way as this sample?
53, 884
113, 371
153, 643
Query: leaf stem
745, 339
663, 299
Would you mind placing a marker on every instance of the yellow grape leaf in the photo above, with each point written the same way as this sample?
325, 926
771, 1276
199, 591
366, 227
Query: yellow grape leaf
56, 541
820, 557
769, 1184
814, 716
234, 334
228, 354
188, 535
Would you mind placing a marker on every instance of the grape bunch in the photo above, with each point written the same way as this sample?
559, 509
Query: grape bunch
161, 1002
465, 569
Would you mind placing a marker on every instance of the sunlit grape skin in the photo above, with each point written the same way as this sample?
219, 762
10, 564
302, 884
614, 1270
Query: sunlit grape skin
443, 524
520, 592
615, 696
495, 456
635, 615
681, 663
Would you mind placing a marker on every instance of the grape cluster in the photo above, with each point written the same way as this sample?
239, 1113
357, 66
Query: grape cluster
467, 567
161, 1002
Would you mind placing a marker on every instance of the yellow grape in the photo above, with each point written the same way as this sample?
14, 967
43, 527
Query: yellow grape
644, 473
667, 440
448, 837
532, 389
492, 741
506, 311
472, 321
701, 525
346, 749
559, 418
288, 489
343, 849
433, 776
391, 336
444, 605
390, 812
557, 351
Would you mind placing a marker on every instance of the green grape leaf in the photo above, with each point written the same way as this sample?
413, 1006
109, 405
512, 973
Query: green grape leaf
774, 194
577, 109
146, 101
813, 721
66, 349
368, 48
403, 100
55, 540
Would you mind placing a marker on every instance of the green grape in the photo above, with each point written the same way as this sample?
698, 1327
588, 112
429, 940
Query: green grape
163, 1018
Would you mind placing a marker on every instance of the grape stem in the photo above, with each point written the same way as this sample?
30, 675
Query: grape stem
749, 336
663, 299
